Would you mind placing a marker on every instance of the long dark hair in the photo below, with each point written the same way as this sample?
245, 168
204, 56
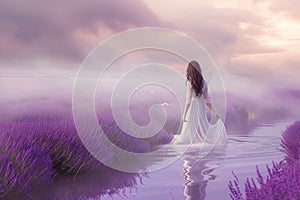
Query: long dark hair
193, 74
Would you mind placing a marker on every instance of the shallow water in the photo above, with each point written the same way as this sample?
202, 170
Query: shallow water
207, 178
190, 177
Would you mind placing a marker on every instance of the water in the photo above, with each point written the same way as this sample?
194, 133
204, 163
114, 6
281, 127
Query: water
190, 177
193, 178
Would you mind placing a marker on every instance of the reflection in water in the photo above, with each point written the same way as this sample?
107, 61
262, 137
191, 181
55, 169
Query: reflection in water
91, 186
197, 172
96, 185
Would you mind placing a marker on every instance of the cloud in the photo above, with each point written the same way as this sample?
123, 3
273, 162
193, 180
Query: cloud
227, 32
288, 8
32, 29
231, 31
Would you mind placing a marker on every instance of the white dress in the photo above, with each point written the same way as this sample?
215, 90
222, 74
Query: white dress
198, 129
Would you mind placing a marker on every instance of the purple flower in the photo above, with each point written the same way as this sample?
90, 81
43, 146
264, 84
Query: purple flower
290, 142
35, 149
282, 180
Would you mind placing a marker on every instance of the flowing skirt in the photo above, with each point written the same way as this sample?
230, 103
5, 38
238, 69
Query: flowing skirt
198, 129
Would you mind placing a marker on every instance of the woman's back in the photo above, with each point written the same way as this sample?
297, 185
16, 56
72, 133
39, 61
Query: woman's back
205, 92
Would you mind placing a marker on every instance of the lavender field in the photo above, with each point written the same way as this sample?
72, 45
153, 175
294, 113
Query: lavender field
42, 156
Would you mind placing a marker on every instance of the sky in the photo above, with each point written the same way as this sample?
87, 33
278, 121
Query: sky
247, 38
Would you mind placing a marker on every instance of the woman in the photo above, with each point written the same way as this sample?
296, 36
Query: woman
195, 123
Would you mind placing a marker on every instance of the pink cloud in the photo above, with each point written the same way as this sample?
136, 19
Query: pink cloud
46, 28
288, 8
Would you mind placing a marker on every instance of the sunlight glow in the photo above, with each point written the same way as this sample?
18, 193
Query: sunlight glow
283, 32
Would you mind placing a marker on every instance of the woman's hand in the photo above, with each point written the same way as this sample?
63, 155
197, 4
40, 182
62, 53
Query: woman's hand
217, 116
213, 110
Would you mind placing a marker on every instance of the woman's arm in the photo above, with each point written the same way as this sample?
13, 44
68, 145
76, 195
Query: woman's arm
210, 106
186, 108
188, 100
207, 99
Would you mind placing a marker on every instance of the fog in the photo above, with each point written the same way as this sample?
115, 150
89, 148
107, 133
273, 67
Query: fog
250, 100
244, 98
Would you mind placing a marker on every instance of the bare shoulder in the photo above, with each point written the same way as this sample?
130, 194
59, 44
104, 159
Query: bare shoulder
188, 82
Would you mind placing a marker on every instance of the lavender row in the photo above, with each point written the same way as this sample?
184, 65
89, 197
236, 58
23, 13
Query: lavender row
283, 178
36, 149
